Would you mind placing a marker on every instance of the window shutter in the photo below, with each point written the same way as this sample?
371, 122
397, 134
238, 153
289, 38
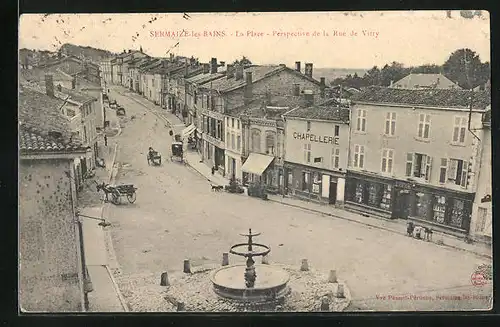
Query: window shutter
428, 169
452, 169
409, 163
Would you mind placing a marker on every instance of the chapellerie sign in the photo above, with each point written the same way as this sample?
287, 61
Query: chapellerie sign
316, 138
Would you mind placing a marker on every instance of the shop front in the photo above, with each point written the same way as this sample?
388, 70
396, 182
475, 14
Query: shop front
258, 168
370, 193
443, 209
314, 184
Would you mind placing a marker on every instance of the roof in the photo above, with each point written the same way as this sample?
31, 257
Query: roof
84, 83
270, 108
415, 81
137, 61
76, 96
204, 78
328, 110
33, 141
38, 75
258, 73
257, 163
165, 70
440, 98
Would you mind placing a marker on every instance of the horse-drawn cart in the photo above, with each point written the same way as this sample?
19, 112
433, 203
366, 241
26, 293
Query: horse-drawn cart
177, 152
153, 157
117, 192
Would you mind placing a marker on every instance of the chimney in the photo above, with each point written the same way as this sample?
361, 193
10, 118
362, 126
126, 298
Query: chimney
322, 87
309, 97
230, 71
222, 63
297, 66
296, 89
308, 71
206, 68
124, 51
129, 51
213, 66
248, 88
239, 72
171, 57
49, 85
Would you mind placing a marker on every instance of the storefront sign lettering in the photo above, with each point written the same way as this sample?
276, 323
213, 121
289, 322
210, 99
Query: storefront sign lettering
315, 138
403, 185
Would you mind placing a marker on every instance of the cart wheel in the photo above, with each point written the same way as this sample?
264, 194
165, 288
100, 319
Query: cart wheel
115, 198
131, 197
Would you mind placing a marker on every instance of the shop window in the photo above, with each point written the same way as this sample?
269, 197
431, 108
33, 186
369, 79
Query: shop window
361, 120
457, 172
290, 178
385, 203
459, 130
316, 183
359, 156
423, 205
387, 160
390, 124
374, 194
337, 130
335, 157
457, 213
307, 153
306, 180
424, 126
439, 209
359, 193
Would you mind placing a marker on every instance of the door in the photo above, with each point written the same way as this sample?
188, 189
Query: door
332, 197
402, 204
233, 167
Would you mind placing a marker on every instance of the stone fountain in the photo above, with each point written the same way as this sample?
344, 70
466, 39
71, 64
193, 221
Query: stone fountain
250, 282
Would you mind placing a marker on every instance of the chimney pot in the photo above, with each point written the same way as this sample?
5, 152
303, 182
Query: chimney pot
248, 78
322, 87
308, 70
297, 66
213, 66
222, 63
230, 71
248, 88
206, 68
49, 85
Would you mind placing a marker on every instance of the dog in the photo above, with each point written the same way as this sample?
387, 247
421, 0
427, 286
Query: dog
217, 188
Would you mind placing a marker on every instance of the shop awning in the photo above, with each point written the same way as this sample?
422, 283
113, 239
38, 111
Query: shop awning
257, 163
188, 130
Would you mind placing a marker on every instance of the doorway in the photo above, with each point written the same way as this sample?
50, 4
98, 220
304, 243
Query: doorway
402, 204
332, 197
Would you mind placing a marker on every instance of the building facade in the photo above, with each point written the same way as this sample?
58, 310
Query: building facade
316, 152
413, 157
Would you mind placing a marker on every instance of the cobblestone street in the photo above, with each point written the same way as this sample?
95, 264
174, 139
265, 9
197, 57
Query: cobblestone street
177, 216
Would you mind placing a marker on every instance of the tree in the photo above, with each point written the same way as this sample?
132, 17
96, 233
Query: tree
427, 69
465, 68
243, 61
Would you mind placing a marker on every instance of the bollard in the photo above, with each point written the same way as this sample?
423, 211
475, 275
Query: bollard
265, 260
340, 291
187, 266
164, 279
180, 306
332, 278
325, 304
225, 259
304, 266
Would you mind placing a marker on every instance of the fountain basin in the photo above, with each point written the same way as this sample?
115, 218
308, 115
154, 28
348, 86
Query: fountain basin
271, 283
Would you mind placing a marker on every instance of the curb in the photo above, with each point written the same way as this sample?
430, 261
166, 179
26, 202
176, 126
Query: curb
117, 290
378, 227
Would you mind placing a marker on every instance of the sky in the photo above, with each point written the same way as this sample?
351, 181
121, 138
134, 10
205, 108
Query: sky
336, 39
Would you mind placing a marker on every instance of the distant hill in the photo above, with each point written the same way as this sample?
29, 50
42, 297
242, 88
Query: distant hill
332, 73
91, 53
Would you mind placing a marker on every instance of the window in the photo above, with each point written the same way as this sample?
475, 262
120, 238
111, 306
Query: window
457, 172
335, 157
306, 179
270, 140
459, 128
337, 129
387, 160
255, 140
232, 141
237, 124
409, 164
238, 143
308, 126
482, 214
227, 122
442, 170
424, 126
361, 120
390, 124
307, 153
418, 165
359, 156
232, 122
227, 138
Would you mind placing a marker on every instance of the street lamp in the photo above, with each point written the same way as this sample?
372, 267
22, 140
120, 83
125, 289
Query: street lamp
102, 223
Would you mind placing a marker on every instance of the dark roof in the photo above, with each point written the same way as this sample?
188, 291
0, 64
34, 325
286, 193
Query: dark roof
165, 70
327, 110
32, 141
76, 96
270, 108
38, 75
204, 78
138, 61
442, 98
150, 65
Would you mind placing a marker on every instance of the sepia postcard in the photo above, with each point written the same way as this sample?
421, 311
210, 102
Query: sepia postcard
255, 162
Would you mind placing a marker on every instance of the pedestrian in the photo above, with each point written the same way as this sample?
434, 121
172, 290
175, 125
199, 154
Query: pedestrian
105, 140
213, 170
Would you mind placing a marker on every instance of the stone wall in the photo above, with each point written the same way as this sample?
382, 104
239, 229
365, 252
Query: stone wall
49, 259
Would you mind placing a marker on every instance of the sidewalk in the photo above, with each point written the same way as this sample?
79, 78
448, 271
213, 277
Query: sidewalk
105, 296
193, 160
